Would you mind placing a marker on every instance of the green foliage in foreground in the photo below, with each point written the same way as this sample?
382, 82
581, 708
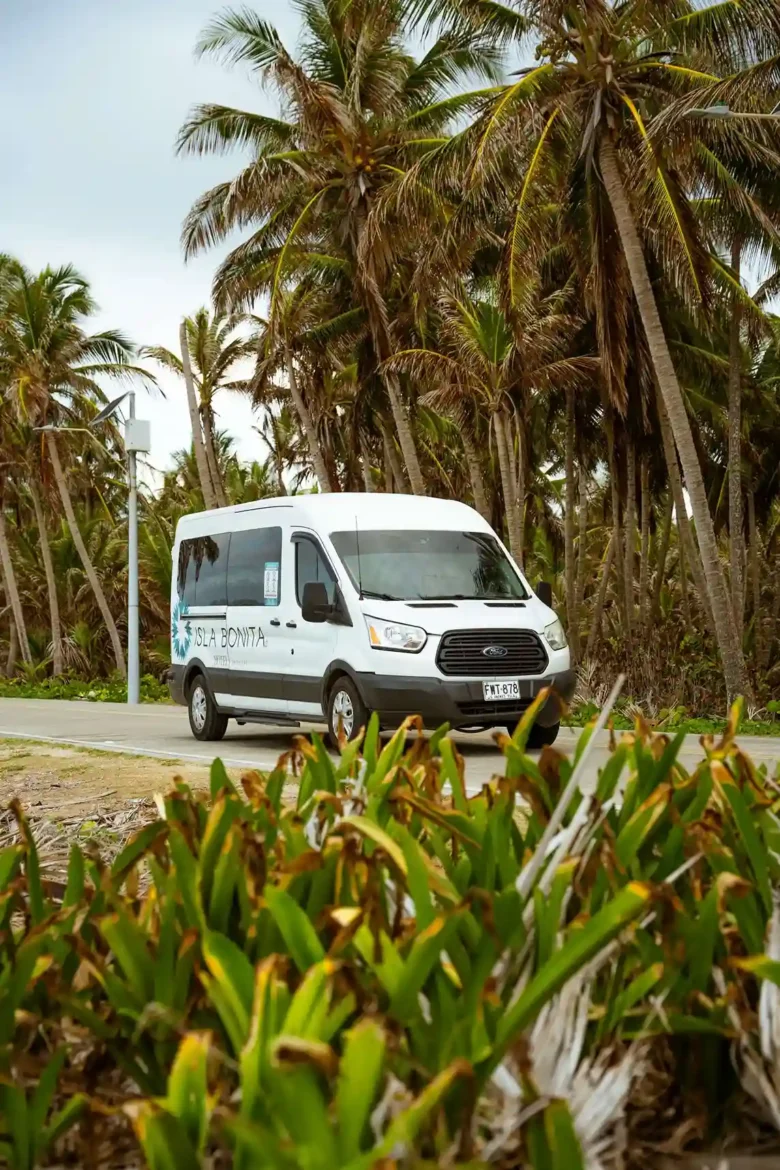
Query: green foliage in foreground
392, 973
112, 690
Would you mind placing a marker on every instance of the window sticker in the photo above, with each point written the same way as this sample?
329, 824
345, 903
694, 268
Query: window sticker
271, 583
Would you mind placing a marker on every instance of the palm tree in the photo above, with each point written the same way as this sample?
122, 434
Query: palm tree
614, 103
210, 344
358, 110
487, 365
48, 363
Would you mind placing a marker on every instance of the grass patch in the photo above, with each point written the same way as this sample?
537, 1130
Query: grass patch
111, 690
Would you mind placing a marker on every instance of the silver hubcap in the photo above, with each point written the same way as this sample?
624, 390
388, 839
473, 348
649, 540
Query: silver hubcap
343, 713
198, 707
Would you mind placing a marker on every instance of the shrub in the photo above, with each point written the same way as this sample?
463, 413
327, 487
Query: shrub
391, 972
112, 690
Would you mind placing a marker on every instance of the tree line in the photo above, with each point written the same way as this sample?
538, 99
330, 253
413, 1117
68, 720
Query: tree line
521, 254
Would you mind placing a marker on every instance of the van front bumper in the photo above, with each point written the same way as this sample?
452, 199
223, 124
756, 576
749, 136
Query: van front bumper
461, 704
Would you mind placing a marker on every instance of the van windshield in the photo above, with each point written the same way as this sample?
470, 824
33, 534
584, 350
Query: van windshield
421, 565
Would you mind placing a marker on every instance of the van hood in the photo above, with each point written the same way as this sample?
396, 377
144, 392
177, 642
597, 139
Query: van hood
438, 617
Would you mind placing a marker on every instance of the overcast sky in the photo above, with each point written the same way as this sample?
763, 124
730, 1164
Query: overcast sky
94, 92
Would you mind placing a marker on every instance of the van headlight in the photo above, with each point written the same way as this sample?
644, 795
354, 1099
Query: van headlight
555, 636
385, 635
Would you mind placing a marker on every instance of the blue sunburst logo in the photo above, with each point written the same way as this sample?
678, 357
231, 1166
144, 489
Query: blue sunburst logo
181, 637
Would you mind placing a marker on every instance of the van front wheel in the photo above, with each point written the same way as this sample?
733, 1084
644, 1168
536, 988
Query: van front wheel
347, 713
540, 737
206, 722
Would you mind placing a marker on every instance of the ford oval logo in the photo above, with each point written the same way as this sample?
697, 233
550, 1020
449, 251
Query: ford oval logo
495, 651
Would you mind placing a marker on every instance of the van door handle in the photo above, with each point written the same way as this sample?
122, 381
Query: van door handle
292, 625
275, 622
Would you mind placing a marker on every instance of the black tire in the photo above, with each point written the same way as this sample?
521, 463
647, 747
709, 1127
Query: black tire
206, 722
346, 710
540, 737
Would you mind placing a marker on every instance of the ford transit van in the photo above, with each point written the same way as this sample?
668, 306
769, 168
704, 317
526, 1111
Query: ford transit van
329, 607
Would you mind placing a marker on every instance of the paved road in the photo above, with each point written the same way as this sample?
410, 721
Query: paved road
162, 731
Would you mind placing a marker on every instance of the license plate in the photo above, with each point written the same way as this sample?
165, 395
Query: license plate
496, 692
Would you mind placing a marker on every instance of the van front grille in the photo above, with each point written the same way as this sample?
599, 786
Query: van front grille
514, 653
480, 711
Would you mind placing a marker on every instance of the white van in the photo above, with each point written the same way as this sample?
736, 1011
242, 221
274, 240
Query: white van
329, 607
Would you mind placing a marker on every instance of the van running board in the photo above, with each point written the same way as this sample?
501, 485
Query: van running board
266, 717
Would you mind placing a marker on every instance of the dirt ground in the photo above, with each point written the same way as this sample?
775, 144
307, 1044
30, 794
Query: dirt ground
70, 781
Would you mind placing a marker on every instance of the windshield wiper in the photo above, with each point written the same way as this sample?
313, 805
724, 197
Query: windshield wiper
372, 596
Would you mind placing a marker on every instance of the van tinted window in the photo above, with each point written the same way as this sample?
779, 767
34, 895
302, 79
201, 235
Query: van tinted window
202, 570
311, 566
254, 576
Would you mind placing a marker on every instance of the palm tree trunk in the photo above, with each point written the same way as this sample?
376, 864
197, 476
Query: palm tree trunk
582, 551
720, 604
81, 548
736, 518
201, 462
12, 589
51, 581
507, 483
663, 552
688, 619
403, 429
308, 427
755, 580
475, 474
629, 560
520, 477
211, 459
569, 566
13, 649
391, 457
614, 488
644, 556
598, 612
365, 465
687, 542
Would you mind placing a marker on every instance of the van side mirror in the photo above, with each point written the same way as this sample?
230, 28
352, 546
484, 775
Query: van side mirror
545, 594
315, 606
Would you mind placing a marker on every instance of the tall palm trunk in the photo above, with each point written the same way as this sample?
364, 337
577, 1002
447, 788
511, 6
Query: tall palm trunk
520, 475
572, 617
582, 539
755, 578
687, 542
722, 612
13, 649
12, 589
201, 462
365, 465
403, 429
392, 460
629, 560
308, 427
51, 581
598, 611
644, 555
508, 484
81, 548
736, 518
614, 488
686, 605
211, 458
663, 552
475, 473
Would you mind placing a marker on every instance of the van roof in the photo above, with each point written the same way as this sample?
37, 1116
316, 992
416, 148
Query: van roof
334, 510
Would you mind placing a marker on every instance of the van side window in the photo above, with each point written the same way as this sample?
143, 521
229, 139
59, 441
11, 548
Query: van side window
202, 570
311, 566
254, 567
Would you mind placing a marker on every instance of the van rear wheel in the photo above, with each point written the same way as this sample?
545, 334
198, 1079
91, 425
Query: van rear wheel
206, 722
347, 713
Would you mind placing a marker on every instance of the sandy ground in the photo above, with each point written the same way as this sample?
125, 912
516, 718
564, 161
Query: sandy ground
81, 782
